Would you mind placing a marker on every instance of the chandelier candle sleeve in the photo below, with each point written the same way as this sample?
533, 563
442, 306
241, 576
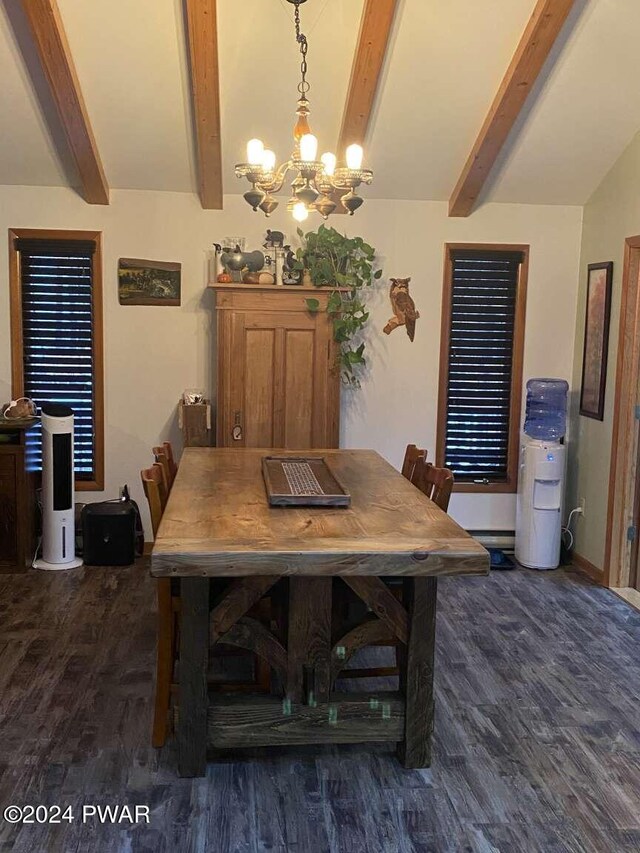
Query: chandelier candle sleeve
329, 162
354, 156
255, 152
315, 184
308, 148
268, 160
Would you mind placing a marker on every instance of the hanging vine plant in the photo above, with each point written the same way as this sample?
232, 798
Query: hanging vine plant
347, 265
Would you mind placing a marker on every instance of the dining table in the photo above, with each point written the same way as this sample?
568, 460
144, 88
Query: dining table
218, 524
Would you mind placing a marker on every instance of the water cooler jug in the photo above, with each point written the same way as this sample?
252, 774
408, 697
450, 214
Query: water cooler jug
541, 475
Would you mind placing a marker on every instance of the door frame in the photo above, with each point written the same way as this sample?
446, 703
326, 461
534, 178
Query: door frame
623, 473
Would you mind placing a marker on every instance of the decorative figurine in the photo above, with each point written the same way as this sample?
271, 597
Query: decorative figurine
290, 274
404, 308
217, 266
236, 262
233, 265
231, 260
273, 239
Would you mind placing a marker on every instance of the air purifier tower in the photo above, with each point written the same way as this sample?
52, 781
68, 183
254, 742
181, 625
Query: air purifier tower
541, 475
58, 526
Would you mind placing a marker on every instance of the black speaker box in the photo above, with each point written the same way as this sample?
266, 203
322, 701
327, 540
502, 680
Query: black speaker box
109, 533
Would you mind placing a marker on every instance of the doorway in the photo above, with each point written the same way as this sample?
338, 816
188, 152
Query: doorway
634, 575
623, 514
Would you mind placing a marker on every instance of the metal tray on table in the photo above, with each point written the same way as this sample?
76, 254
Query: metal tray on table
302, 481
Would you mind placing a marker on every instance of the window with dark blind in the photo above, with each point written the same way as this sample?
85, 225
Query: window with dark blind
481, 365
57, 337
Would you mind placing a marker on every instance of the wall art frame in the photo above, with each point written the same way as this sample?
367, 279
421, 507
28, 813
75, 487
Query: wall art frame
596, 340
143, 282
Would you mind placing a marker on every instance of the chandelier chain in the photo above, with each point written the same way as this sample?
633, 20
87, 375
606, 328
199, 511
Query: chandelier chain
303, 86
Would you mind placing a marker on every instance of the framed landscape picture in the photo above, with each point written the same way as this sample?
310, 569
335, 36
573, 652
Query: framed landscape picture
148, 282
596, 340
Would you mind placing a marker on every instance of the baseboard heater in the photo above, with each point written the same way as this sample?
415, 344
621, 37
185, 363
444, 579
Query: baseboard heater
505, 540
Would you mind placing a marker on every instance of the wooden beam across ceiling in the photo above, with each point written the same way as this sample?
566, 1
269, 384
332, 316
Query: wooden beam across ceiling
375, 28
202, 32
371, 48
537, 40
45, 23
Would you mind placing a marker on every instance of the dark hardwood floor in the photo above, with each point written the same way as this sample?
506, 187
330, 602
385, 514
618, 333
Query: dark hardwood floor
537, 734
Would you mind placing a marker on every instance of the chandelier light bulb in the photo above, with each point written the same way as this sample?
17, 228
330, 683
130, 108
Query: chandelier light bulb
255, 152
308, 147
268, 160
354, 156
300, 212
329, 163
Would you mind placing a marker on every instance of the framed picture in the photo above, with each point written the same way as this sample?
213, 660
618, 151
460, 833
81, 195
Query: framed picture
148, 282
596, 340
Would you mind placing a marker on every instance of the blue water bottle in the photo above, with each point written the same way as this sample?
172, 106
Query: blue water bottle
546, 414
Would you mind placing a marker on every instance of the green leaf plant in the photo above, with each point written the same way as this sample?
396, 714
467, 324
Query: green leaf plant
345, 264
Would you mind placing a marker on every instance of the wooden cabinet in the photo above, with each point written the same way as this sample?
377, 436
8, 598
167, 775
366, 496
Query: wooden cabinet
17, 499
278, 385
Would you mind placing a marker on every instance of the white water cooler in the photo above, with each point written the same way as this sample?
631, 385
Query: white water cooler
539, 503
541, 475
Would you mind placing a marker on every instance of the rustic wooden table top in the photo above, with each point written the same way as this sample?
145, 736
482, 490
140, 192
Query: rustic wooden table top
218, 523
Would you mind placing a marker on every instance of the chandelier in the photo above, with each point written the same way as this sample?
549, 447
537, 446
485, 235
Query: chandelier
318, 182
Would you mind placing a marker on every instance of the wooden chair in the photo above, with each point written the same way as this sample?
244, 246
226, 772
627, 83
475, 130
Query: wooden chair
412, 456
153, 483
161, 459
435, 483
173, 468
164, 456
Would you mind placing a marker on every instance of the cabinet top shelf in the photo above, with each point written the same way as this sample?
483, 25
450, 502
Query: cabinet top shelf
277, 288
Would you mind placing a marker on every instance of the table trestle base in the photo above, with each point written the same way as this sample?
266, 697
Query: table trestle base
306, 659
235, 721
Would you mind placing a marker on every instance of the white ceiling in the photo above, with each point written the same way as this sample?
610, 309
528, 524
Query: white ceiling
443, 68
27, 151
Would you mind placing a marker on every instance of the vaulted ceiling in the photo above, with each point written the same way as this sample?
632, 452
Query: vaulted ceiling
444, 64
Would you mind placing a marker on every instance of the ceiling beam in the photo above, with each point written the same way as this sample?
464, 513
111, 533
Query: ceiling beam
375, 28
202, 32
537, 40
371, 47
45, 23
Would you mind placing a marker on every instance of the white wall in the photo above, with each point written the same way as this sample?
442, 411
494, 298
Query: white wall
153, 353
611, 215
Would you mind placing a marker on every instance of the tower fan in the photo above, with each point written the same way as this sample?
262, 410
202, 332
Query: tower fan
58, 523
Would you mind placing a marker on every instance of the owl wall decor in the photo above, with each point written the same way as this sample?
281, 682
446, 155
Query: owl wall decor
404, 308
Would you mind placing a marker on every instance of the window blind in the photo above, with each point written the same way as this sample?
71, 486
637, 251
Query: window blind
484, 289
56, 278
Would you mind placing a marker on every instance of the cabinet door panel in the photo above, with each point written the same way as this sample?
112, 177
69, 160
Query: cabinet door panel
277, 384
260, 375
299, 391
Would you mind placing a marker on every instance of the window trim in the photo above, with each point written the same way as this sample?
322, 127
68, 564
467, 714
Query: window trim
511, 483
17, 372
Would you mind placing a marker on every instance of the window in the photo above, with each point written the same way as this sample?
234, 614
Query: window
483, 316
56, 335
